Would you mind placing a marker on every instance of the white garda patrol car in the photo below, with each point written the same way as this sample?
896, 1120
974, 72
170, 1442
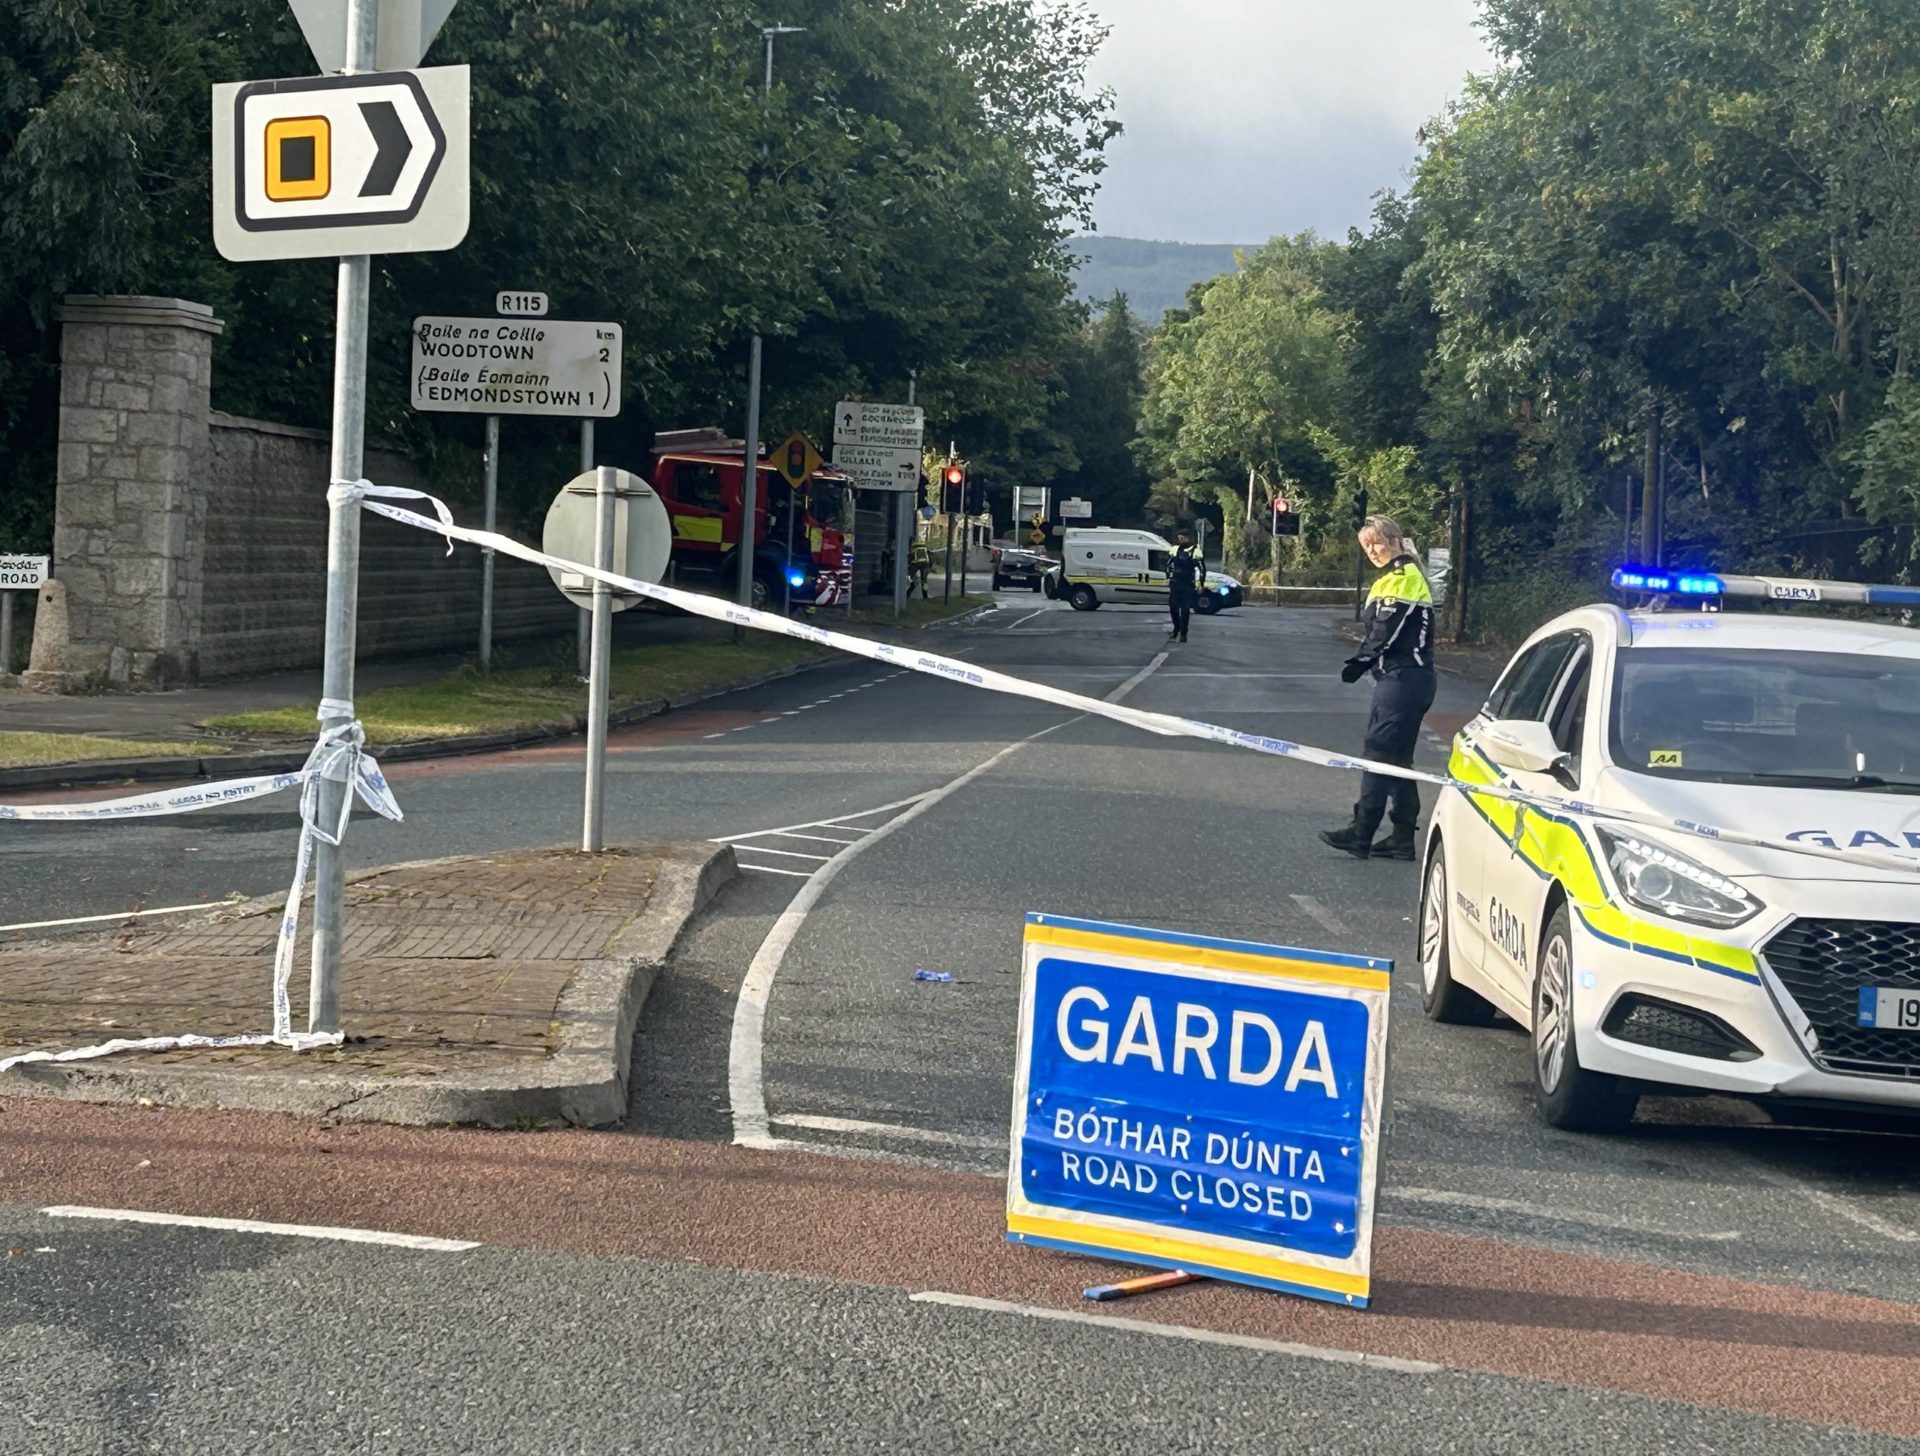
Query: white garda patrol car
1639, 957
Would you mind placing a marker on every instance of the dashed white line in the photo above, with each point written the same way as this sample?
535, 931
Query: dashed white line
253, 1226
887, 1129
1181, 1332
1321, 915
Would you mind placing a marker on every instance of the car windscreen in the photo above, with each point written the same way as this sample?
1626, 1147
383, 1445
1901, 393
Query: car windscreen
1768, 717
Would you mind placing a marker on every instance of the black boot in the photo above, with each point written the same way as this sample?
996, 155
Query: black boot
1348, 840
1399, 843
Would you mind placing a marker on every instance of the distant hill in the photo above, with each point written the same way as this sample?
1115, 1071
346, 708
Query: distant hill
1154, 276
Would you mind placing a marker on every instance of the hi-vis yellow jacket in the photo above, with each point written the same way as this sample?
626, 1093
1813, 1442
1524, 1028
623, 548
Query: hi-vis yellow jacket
1399, 618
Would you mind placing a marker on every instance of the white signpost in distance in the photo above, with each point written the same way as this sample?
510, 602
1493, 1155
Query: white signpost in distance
879, 446
371, 161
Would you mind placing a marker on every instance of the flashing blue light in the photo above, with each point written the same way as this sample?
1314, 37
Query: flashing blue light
1666, 583
796, 578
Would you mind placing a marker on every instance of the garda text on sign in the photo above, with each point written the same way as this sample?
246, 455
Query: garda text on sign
493, 366
1207, 1105
23, 573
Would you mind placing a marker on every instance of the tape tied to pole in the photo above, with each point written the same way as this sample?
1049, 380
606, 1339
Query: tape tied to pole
339, 755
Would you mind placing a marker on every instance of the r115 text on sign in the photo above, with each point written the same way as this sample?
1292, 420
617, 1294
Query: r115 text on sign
517, 367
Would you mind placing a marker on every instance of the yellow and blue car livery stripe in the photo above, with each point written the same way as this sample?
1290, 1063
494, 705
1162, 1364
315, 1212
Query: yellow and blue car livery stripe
1366, 973
1161, 1251
1555, 849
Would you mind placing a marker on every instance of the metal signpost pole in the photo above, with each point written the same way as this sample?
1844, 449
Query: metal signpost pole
6, 632
583, 621
903, 526
787, 575
596, 805
343, 574
749, 486
486, 554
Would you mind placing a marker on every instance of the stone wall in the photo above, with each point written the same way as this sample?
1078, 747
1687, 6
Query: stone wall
266, 563
191, 545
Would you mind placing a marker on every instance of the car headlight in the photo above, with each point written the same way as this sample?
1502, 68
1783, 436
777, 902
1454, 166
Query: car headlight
1670, 884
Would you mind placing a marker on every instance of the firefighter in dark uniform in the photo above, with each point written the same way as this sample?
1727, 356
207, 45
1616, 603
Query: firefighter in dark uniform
1186, 574
1398, 653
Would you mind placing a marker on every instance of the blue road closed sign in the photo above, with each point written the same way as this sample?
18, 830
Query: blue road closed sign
1207, 1105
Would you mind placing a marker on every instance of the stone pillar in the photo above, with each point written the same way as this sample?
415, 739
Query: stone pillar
130, 514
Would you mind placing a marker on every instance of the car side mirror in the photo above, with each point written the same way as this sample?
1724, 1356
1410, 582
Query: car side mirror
1524, 746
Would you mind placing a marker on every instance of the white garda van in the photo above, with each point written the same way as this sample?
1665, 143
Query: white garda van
1106, 564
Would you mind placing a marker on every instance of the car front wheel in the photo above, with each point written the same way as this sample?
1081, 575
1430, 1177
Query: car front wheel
1566, 1093
1082, 599
1444, 999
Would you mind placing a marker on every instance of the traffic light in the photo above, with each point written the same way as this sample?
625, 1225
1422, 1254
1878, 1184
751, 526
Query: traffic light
953, 496
1359, 509
1285, 523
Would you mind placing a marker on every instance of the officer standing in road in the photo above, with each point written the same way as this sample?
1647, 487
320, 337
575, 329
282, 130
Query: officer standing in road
919, 564
1398, 652
1186, 574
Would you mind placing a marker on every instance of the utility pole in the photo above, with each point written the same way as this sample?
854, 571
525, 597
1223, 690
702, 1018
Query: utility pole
583, 619
343, 574
750, 453
1653, 496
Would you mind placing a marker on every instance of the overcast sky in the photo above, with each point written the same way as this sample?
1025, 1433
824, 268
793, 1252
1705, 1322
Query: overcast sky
1250, 118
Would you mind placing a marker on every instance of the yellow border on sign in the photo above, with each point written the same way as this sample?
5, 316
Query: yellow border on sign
1181, 1251
1207, 957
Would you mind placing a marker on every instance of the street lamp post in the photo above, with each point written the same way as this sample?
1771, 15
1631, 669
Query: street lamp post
750, 450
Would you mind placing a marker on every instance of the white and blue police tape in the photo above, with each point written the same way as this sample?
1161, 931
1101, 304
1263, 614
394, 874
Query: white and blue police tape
339, 755
372, 498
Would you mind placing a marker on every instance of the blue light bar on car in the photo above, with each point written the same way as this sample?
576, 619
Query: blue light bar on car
1667, 583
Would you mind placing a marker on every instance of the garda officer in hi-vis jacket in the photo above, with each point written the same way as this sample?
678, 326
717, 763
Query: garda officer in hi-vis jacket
1398, 652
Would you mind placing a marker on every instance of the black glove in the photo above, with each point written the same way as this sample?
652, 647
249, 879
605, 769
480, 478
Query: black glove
1355, 669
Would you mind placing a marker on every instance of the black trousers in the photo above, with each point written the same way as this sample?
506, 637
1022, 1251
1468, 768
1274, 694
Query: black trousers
1180, 602
1401, 697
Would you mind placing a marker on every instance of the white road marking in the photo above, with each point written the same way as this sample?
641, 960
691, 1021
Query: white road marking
120, 915
1018, 620
1321, 915
791, 834
770, 870
253, 1226
887, 1129
1139, 677
1834, 1203
837, 823
1182, 1332
1202, 672
1446, 1198
722, 733
784, 853
746, 1084
746, 1071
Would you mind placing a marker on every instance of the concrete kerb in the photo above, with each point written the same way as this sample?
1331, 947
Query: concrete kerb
246, 765
583, 1083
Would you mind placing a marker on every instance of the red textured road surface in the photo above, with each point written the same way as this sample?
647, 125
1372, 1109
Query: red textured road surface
1467, 1303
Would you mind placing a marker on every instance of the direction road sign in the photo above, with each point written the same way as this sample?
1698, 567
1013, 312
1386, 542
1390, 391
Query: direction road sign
490, 366
877, 467
22, 573
797, 460
1075, 509
407, 28
885, 426
642, 535
333, 166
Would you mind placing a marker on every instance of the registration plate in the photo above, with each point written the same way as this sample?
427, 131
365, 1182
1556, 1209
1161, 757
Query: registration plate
1890, 1009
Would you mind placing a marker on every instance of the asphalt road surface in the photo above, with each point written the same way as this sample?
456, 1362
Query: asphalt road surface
1713, 1280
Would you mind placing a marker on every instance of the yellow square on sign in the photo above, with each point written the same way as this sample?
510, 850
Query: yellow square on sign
299, 158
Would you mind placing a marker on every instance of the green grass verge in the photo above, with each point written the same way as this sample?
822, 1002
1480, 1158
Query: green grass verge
29, 750
877, 611
532, 697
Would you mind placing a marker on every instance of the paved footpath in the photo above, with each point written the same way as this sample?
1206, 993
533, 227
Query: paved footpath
495, 988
